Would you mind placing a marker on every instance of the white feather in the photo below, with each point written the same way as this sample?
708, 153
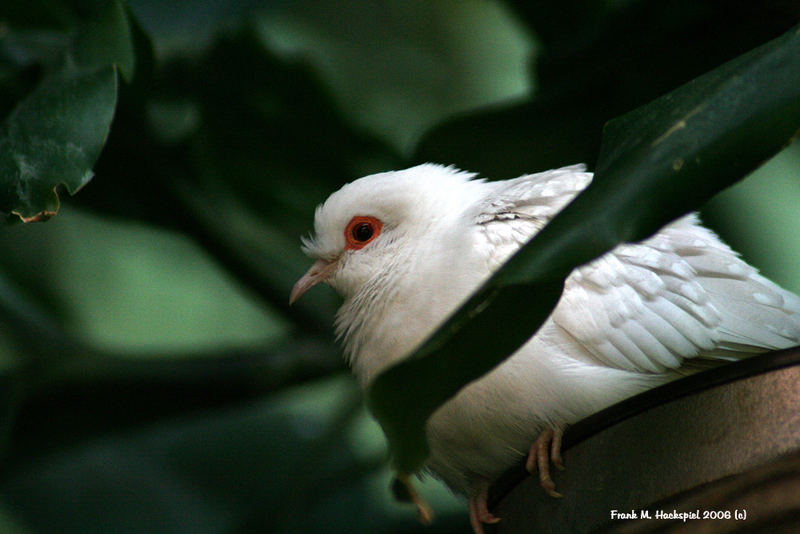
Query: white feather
625, 322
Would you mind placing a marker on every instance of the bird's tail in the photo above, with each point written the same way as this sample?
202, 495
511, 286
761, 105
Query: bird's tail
757, 315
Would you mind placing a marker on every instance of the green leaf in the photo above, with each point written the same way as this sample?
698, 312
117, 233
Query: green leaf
656, 163
597, 60
104, 39
54, 137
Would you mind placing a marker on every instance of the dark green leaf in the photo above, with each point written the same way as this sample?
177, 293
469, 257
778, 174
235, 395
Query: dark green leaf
54, 137
597, 60
657, 163
104, 39
201, 473
55, 134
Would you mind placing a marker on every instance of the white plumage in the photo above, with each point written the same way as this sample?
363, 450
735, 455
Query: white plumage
626, 322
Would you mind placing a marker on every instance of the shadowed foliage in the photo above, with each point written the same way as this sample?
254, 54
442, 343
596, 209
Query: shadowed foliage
152, 376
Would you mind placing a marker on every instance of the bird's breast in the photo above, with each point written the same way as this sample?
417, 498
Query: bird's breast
428, 293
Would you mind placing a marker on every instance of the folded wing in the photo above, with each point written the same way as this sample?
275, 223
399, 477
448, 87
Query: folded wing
646, 307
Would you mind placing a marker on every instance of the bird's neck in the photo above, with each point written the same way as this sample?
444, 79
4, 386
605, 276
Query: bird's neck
386, 319
369, 325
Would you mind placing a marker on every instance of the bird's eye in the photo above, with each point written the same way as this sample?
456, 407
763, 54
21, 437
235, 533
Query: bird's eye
361, 230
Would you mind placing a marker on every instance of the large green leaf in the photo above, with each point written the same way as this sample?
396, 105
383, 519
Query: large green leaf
219, 461
55, 134
657, 163
54, 137
106, 38
597, 60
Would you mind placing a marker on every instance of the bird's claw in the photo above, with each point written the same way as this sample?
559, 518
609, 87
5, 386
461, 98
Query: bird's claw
544, 451
550, 487
479, 513
404, 491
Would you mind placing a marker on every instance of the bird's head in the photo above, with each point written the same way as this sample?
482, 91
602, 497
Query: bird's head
365, 230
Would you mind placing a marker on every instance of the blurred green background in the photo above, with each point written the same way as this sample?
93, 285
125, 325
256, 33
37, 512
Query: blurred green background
153, 378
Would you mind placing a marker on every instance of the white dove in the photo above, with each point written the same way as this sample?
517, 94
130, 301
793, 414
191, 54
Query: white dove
406, 248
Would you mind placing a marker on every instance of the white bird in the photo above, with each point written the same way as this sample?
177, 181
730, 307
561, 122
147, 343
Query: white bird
406, 248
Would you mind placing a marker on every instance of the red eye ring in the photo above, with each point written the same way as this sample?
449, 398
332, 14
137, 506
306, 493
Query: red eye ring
361, 230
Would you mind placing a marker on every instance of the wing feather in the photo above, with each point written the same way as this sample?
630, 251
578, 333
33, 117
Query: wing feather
514, 210
646, 307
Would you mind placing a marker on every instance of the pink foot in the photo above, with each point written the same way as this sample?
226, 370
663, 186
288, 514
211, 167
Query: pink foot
546, 449
404, 491
479, 511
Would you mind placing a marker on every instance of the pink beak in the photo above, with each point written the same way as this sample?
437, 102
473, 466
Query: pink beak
319, 272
